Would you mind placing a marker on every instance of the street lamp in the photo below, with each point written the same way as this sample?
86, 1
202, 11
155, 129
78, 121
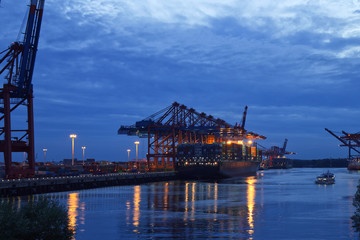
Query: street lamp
137, 143
128, 151
83, 148
72, 136
45, 150
137, 165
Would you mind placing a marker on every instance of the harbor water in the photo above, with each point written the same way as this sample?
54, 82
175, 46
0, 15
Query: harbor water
275, 204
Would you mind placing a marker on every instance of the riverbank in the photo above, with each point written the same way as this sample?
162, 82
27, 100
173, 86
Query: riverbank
320, 163
29, 186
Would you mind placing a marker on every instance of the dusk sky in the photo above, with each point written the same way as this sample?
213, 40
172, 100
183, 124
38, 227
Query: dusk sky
102, 64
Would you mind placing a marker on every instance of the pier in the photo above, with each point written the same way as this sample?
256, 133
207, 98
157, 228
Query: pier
27, 186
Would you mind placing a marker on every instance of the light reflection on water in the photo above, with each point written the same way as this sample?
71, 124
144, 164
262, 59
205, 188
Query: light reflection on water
276, 204
251, 204
136, 212
73, 205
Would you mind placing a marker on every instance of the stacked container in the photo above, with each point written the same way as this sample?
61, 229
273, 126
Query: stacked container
232, 151
198, 153
208, 153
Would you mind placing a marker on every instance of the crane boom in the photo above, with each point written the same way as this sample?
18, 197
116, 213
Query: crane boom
19, 62
284, 146
31, 40
342, 140
353, 137
244, 118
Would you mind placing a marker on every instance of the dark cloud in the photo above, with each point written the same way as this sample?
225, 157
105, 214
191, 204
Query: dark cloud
96, 72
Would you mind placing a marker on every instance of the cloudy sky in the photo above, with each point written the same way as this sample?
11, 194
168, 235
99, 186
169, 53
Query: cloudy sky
106, 63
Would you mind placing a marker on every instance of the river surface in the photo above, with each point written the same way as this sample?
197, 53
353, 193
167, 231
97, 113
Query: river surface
275, 204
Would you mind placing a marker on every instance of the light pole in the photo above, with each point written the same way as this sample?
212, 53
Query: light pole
137, 165
128, 151
72, 136
83, 148
45, 150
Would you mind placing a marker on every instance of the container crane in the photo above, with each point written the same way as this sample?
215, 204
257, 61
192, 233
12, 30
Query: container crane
275, 157
244, 119
17, 63
350, 140
177, 124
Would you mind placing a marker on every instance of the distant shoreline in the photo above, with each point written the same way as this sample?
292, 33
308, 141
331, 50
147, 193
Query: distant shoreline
320, 163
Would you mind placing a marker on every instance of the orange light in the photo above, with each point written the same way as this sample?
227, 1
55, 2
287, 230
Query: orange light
251, 203
228, 142
136, 202
73, 205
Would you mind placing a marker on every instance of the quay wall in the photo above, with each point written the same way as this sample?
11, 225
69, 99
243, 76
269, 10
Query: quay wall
29, 186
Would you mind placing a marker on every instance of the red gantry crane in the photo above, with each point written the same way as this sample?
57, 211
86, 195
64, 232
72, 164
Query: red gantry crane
177, 124
17, 66
275, 157
350, 140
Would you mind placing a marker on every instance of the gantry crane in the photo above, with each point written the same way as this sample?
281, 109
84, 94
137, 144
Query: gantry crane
274, 152
177, 124
17, 64
350, 140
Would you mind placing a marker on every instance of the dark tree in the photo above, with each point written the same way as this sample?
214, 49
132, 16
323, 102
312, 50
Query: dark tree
40, 220
356, 217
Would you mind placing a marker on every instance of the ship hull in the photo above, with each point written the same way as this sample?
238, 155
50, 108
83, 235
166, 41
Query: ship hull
354, 164
225, 169
214, 161
280, 163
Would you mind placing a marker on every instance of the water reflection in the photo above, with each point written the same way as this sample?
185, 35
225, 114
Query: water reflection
136, 202
186, 201
73, 205
243, 208
76, 207
166, 196
173, 209
128, 210
251, 203
205, 212
193, 191
82, 214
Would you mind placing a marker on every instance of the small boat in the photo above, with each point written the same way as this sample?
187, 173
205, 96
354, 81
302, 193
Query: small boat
325, 178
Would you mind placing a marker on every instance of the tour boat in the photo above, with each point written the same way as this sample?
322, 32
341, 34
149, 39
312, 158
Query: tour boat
325, 178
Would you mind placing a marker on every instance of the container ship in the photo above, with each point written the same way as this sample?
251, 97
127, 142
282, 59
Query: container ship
217, 160
354, 164
280, 163
274, 158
